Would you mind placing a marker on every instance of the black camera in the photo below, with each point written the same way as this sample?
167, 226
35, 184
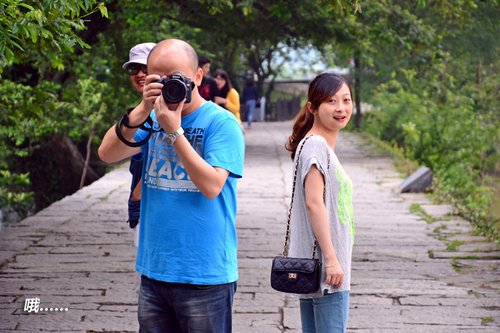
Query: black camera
176, 88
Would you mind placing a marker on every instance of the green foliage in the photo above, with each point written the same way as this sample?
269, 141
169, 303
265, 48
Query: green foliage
446, 129
487, 320
425, 54
452, 246
256, 30
23, 124
439, 104
84, 111
45, 28
14, 192
31, 118
41, 34
417, 209
25, 119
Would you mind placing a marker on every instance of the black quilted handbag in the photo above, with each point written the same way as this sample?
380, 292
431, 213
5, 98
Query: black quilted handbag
296, 275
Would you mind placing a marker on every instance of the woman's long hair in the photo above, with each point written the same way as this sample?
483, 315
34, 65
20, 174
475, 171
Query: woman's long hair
321, 89
223, 92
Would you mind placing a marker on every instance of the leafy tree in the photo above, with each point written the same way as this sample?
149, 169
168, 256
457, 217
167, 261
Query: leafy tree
386, 35
441, 108
256, 29
42, 29
427, 50
36, 37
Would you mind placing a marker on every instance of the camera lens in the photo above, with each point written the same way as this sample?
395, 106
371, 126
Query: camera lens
174, 91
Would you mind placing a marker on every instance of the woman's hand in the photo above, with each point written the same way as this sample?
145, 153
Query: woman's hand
220, 100
334, 274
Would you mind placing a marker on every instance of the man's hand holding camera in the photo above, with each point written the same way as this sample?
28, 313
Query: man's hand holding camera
168, 115
168, 95
152, 89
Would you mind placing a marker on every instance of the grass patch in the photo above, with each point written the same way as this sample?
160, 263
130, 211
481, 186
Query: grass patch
478, 250
455, 265
418, 210
467, 258
452, 247
5, 263
446, 217
402, 164
437, 230
415, 208
486, 320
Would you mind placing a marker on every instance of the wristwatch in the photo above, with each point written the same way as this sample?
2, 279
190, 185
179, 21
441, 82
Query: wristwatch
170, 138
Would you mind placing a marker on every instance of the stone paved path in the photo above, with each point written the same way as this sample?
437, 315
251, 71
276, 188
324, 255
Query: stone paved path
412, 272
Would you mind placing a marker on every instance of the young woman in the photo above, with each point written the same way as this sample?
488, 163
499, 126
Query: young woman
228, 97
322, 207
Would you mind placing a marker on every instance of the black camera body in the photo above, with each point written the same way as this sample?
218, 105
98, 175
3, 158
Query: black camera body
176, 88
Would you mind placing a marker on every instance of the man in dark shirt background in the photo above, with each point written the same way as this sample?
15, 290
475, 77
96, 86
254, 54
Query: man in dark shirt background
208, 88
250, 97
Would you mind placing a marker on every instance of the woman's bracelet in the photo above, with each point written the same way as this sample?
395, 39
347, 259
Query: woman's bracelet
332, 265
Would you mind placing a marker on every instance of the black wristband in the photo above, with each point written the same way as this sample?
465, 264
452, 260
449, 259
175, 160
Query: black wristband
129, 143
125, 121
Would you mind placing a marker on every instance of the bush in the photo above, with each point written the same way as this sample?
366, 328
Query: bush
454, 132
38, 128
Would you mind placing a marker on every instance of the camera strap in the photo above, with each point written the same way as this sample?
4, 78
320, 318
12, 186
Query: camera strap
142, 126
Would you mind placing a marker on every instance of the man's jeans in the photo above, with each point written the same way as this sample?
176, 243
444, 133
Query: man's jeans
250, 107
173, 307
327, 313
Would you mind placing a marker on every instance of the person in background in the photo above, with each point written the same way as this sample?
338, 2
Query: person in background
228, 97
250, 96
136, 67
324, 209
208, 88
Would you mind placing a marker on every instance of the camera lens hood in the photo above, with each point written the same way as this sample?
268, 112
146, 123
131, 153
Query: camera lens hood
176, 88
174, 91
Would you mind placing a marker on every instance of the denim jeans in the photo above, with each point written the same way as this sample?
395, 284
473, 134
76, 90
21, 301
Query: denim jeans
327, 313
250, 107
173, 307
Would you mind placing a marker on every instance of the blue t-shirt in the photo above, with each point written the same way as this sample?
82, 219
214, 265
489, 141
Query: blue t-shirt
185, 237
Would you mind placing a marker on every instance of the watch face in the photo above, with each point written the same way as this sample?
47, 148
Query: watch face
170, 138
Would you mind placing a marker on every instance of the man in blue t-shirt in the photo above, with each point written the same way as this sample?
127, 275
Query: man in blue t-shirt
187, 245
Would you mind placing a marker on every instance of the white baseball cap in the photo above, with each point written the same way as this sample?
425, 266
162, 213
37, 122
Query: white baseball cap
139, 54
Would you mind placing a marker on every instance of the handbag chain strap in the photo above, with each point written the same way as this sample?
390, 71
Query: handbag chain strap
287, 235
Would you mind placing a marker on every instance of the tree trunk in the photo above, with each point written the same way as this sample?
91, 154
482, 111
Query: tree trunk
55, 169
478, 73
76, 161
89, 146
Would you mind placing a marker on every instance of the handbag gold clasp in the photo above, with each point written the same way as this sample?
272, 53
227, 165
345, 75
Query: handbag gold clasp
292, 275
